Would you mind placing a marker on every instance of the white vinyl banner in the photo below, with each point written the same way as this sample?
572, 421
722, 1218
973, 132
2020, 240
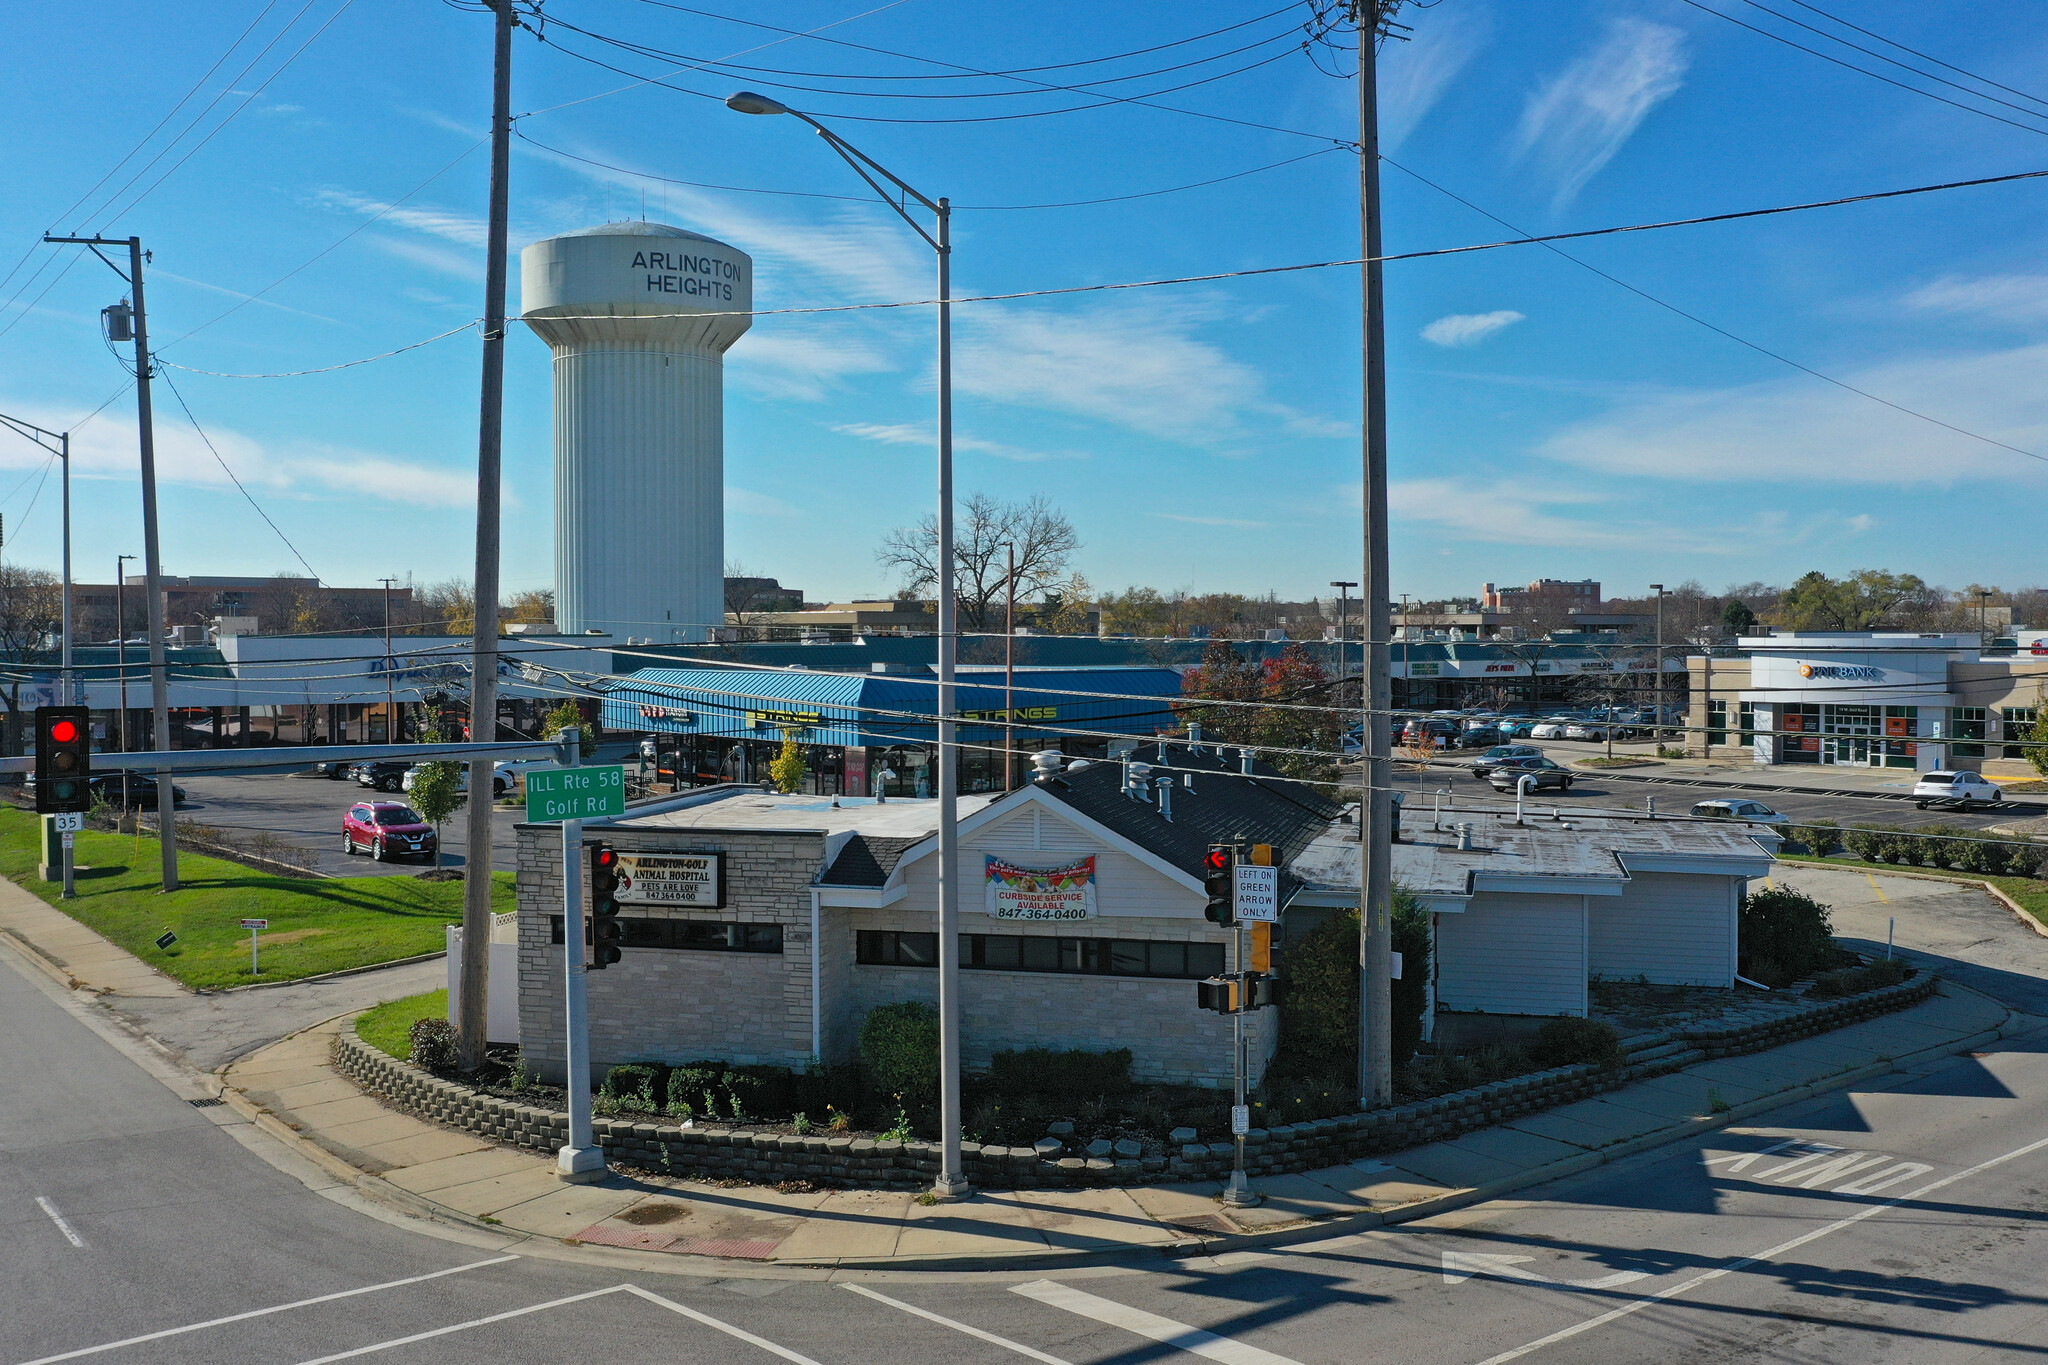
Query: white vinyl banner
1066, 892
689, 879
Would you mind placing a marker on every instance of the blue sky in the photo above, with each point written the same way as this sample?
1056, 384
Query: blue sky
1544, 420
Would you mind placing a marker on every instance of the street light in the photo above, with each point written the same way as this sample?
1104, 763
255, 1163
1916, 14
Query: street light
62, 450
952, 1181
1658, 729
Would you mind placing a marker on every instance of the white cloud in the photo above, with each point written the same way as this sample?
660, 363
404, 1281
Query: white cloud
461, 264
1139, 367
805, 368
1469, 329
1790, 431
748, 503
1209, 521
1582, 116
1529, 514
450, 225
1415, 74
911, 434
2007, 298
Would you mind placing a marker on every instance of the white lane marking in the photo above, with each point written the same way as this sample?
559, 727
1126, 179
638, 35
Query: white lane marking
1164, 1330
70, 1233
1650, 1300
1740, 1160
1839, 1169
724, 1327
464, 1326
1460, 1266
1891, 1175
1019, 1347
261, 1312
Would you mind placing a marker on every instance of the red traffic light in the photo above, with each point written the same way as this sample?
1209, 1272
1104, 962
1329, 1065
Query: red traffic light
65, 732
1218, 859
605, 857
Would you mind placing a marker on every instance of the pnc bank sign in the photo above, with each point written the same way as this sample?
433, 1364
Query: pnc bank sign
1844, 672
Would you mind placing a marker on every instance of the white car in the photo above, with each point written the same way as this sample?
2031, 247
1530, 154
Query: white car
1958, 789
1586, 729
502, 775
1549, 729
1755, 812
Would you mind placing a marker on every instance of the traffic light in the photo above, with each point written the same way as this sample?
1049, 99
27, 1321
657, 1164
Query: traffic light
63, 759
1219, 881
1264, 990
1223, 994
604, 906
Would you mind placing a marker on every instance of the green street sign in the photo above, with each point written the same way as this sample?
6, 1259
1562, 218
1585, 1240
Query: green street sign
557, 794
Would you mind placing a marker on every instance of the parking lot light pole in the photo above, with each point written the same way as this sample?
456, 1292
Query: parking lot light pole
67, 692
1343, 601
1657, 730
952, 1180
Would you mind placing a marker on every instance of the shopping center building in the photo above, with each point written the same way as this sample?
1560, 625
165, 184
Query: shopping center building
1866, 699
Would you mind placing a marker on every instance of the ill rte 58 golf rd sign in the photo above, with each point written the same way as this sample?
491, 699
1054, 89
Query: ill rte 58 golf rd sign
557, 794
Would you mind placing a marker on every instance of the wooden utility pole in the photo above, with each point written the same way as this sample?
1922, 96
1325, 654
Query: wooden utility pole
471, 1018
1375, 840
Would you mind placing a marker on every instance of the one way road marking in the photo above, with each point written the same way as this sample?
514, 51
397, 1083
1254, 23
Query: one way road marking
1163, 1330
1460, 1266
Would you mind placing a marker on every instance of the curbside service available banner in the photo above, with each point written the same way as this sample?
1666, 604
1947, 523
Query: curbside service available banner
1043, 893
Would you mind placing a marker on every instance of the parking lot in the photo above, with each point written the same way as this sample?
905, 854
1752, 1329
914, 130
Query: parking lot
305, 812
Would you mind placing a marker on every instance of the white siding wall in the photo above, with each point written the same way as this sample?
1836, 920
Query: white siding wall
1675, 929
1513, 953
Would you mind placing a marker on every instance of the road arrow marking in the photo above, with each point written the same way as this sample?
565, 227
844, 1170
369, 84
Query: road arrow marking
1460, 1266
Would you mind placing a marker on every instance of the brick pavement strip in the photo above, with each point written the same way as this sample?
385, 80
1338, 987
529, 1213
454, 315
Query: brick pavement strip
1320, 1179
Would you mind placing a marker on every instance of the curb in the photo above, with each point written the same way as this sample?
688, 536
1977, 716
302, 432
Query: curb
2019, 912
323, 976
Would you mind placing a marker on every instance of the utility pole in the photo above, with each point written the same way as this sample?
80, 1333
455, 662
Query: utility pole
391, 735
152, 562
1375, 838
483, 683
1343, 587
1010, 676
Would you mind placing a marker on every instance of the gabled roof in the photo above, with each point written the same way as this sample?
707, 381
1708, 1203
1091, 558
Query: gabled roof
866, 860
1222, 806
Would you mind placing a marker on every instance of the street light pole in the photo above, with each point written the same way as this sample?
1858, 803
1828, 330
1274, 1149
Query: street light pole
397, 736
121, 659
67, 691
1658, 729
152, 561
952, 1180
1343, 588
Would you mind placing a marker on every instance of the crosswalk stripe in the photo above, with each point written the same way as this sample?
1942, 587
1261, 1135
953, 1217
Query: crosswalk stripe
1019, 1347
742, 1333
1163, 1330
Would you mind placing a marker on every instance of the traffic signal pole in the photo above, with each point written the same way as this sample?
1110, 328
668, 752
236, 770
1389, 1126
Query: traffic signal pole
582, 1161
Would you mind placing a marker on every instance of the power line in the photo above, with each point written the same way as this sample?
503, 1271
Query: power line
1865, 71
325, 369
1869, 33
1893, 61
232, 477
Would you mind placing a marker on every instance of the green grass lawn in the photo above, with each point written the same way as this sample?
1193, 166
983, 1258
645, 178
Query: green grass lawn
388, 1027
2027, 893
316, 925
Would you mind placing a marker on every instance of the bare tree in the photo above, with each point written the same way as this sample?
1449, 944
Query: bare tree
748, 596
31, 611
982, 536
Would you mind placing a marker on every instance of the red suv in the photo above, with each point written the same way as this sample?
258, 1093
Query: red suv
389, 829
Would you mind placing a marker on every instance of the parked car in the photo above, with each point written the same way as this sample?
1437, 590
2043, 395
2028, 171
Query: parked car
1518, 727
385, 775
1587, 729
1485, 720
388, 829
501, 778
1480, 737
1507, 776
1502, 753
107, 787
1551, 727
1959, 789
1441, 730
1756, 812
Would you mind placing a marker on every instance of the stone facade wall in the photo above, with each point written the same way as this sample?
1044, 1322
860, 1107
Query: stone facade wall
866, 1163
676, 1005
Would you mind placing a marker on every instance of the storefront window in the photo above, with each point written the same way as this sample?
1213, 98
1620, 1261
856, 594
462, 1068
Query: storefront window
1801, 726
2017, 721
1717, 723
1966, 723
1043, 953
1745, 720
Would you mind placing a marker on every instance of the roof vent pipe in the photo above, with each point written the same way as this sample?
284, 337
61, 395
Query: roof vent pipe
1045, 765
1165, 785
1194, 736
1522, 786
1464, 828
1244, 760
1436, 819
1650, 804
1139, 778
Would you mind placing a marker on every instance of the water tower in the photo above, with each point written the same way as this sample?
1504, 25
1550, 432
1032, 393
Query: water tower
631, 311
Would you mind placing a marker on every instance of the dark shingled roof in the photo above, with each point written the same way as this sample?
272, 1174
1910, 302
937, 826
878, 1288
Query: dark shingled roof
1223, 807
866, 860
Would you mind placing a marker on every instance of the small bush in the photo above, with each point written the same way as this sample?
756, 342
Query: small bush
900, 1044
1569, 1041
1856, 980
2024, 857
1985, 858
1865, 841
1784, 935
1041, 1071
631, 1085
433, 1044
1943, 851
1820, 838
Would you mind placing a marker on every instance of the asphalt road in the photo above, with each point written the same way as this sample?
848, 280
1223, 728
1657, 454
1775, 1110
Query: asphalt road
306, 813
1891, 1222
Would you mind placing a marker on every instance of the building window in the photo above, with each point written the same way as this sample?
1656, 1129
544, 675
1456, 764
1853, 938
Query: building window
1717, 723
1745, 717
1966, 723
702, 935
2016, 721
1044, 953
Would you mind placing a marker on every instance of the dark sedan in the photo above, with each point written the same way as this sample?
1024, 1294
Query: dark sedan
1507, 776
385, 775
1484, 765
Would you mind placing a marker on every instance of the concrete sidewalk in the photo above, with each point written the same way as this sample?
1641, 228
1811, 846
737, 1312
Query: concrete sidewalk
457, 1177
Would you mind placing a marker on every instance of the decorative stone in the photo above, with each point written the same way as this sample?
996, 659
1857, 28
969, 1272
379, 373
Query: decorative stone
1101, 1147
1128, 1148
1049, 1146
1180, 1137
1063, 1128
